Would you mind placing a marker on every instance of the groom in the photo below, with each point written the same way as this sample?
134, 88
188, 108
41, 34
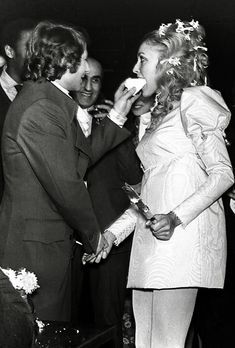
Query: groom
45, 203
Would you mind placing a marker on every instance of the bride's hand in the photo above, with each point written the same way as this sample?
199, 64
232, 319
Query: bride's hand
163, 225
110, 239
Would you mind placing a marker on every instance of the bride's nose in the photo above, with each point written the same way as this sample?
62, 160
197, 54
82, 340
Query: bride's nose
136, 68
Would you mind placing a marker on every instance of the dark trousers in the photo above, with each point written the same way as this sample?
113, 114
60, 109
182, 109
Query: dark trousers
108, 290
78, 272
101, 301
213, 318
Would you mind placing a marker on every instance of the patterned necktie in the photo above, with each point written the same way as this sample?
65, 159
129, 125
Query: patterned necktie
84, 120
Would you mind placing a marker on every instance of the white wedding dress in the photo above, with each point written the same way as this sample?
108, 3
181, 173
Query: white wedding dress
186, 169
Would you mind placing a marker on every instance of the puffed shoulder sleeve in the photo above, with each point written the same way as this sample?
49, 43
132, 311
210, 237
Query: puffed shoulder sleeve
203, 110
205, 116
124, 225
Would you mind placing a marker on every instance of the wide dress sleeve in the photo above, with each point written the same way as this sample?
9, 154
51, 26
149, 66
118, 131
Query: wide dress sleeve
124, 225
205, 117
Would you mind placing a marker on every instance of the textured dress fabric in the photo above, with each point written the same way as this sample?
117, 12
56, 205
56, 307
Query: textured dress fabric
186, 169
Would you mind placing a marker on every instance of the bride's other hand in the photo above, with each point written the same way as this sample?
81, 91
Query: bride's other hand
163, 225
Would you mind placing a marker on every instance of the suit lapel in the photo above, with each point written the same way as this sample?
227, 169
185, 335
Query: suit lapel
83, 146
81, 142
5, 101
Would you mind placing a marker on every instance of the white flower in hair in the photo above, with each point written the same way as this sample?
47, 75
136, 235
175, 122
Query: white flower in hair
180, 26
194, 24
175, 61
163, 28
183, 30
201, 47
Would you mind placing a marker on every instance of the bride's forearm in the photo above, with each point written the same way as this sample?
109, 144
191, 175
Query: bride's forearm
124, 225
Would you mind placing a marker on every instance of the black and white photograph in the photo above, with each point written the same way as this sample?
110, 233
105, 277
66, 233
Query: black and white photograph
117, 195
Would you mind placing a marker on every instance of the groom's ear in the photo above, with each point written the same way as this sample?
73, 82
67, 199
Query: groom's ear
9, 51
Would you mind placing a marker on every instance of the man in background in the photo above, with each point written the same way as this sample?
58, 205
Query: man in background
90, 97
13, 39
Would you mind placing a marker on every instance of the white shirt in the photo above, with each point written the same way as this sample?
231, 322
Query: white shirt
85, 119
8, 84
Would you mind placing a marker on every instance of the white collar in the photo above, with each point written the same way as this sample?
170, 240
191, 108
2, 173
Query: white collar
83, 115
65, 91
6, 81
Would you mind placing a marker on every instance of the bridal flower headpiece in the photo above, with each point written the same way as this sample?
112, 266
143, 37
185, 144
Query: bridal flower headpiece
175, 61
190, 32
163, 28
181, 28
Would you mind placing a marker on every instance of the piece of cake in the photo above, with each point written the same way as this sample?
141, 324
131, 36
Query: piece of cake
138, 83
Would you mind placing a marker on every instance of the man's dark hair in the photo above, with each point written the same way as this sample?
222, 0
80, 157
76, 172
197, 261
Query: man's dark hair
52, 49
11, 32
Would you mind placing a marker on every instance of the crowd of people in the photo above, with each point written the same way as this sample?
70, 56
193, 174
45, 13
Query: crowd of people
66, 153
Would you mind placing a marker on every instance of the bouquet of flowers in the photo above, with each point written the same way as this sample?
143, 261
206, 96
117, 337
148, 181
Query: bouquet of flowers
26, 283
22, 280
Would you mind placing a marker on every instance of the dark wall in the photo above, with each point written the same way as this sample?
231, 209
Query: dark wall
116, 26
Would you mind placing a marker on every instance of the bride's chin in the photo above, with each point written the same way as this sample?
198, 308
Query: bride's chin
146, 93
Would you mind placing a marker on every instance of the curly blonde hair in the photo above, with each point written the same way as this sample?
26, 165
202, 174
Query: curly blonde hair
183, 63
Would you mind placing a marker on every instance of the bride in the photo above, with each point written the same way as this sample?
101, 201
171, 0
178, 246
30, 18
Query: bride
186, 170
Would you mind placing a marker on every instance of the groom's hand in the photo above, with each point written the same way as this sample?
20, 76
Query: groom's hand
106, 242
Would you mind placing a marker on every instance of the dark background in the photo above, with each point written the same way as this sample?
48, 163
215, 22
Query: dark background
116, 26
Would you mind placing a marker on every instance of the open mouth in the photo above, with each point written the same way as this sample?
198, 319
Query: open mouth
138, 106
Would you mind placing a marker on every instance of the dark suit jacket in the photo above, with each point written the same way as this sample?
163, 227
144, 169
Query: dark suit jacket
4, 106
105, 180
45, 157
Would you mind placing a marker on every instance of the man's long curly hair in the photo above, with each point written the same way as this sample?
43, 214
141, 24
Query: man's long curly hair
182, 40
52, 49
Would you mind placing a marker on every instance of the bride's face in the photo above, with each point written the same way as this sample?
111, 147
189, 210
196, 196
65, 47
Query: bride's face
146, 67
